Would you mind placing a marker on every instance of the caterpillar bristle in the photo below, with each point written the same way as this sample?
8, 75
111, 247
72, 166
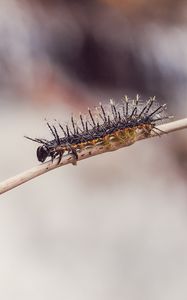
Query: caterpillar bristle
105, 125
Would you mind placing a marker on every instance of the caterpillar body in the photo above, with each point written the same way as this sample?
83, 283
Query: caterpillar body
108, 125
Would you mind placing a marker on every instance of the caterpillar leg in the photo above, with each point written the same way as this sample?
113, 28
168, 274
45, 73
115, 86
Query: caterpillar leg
52, 155
72, 151
60, 157
57, 154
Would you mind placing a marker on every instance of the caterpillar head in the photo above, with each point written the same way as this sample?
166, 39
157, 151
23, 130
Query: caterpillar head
42, 153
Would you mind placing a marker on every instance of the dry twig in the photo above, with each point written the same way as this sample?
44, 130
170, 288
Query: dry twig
83, 154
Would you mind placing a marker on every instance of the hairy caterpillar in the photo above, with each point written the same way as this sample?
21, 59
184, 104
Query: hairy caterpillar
107, 125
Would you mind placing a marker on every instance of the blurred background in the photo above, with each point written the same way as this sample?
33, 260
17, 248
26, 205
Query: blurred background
114, 227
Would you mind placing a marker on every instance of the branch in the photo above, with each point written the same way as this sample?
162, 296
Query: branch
83, 154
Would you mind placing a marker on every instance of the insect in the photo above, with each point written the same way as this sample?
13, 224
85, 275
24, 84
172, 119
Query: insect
105, 126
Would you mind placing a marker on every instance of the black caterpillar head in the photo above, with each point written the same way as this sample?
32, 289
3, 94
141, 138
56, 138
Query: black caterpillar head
42, 153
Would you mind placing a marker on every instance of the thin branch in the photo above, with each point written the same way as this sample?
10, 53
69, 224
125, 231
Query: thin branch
83, 154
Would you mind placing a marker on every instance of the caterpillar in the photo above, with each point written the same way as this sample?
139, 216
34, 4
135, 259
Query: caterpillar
107, 125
